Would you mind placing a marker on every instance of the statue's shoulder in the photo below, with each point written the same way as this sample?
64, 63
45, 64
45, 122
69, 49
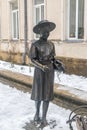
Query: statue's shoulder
35, 43
51, 43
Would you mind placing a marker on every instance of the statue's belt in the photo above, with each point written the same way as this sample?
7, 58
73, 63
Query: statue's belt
45, 62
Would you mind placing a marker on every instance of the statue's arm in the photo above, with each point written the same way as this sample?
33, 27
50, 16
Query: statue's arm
34, 58
39, 65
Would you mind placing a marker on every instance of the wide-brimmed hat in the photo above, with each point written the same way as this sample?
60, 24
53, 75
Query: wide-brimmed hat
44, 25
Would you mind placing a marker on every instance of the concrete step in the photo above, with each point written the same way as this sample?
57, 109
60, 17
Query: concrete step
71, 94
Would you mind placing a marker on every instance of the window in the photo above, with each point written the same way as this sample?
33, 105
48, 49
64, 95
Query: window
38, 11
76, 19
15, 22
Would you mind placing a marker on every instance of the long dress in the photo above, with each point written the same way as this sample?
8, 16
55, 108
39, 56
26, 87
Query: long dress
42, 88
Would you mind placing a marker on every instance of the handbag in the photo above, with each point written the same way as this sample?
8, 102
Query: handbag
58, 65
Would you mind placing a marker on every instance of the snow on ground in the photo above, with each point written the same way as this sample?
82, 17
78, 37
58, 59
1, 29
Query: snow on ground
74, 81
17, 109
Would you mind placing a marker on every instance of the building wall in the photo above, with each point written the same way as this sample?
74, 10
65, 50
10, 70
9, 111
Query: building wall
55, 11
85, 21
21, 19
75, 65
4, 20
30, 19
54, 14
73, 50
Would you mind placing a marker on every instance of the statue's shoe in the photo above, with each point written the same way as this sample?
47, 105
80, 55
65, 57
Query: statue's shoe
43, 124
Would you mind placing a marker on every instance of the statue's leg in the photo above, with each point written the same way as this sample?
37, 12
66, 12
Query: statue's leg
45, 108
36, 117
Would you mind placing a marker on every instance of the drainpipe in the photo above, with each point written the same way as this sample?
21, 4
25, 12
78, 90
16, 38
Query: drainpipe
25, 33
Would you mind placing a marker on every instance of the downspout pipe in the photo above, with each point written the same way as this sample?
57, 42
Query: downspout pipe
25, 33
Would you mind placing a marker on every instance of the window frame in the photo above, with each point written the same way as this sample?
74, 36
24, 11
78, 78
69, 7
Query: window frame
16, 12
76, 22
39, 7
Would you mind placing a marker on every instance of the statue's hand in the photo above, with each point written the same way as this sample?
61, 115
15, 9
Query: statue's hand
45, 68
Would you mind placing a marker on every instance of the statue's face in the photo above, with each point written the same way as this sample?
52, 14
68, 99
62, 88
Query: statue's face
45, 35
45, 32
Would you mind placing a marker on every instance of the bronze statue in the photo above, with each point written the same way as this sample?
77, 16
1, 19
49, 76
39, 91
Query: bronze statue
42, 54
